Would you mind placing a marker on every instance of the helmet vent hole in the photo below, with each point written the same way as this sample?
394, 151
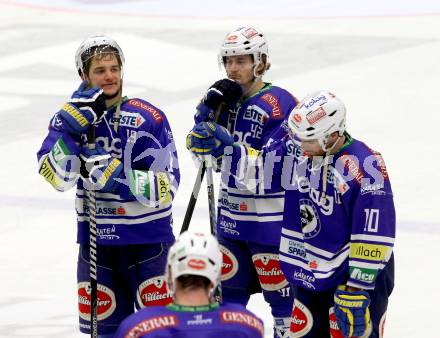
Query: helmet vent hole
192, 242
333, 113
181, 258
211, 261
310, 128
204, 244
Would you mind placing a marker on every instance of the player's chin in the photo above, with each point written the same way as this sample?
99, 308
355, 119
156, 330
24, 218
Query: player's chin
110, 90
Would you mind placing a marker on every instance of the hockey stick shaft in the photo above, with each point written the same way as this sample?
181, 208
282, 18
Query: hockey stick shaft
193, 199
211, 197
93, 248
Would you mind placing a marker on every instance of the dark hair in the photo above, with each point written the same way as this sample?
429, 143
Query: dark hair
98, 53
192, 282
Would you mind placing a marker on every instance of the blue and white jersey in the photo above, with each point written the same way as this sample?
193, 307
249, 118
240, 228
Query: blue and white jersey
143, 142
246, 214
339, 216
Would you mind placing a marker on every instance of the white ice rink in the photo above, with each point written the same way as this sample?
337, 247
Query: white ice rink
381, 57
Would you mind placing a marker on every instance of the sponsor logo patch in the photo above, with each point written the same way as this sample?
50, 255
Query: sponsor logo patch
363, 274
371, 252
153, 291
151, 324
197, 264
243, 319
273, 102
335, 332
269, 272
229, 264
106, 301
129, 119
315, 115
249, 33
157, 116
302, 320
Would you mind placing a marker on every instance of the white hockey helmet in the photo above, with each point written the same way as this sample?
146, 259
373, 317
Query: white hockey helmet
244, 41
196, 254
317, 116
95, 45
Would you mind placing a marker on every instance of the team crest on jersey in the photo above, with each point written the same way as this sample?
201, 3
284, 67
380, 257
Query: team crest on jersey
130, 120
106, 301
153, 291
269, 272
302, 320
229, 264
310, 222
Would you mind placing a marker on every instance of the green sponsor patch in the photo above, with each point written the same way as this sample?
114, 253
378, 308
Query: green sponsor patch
363, 274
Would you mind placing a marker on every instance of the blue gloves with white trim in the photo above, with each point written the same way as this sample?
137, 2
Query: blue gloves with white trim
208, 138
84, 108
351, 310
100, 169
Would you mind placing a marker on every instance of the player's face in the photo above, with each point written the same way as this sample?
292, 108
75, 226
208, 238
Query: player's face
311, 148
105, 73
240, 69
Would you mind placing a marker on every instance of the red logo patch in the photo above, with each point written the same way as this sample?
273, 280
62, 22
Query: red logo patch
121, 211
153, 291
249, 33
301, 321
313, 264
106, 301
243, 206
334, 328
315, 115
353, 167
297, 117
196, 264
269, 272
273, 102
229, 264
232, 37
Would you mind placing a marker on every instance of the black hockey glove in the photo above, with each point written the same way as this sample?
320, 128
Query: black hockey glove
224, 92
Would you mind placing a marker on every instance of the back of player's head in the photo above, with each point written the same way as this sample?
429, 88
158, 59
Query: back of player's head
194, 254
245, 41
94, 46
317, 116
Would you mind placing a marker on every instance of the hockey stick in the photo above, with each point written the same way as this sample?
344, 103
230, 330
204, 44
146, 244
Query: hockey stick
193, 199
92, 247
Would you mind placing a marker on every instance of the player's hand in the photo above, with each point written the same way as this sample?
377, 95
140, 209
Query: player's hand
100, 169
84, 108
208, 138
224, 91
351, 310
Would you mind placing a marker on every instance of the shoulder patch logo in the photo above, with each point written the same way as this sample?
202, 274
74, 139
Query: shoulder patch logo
157, 116
274, 103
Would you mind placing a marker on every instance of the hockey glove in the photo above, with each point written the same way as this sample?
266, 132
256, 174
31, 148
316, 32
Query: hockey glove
208, 138
100, 169
224, 91
150, 188
351, 310
84, 108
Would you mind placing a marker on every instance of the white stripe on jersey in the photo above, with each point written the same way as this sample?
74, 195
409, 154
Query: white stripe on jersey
252, 218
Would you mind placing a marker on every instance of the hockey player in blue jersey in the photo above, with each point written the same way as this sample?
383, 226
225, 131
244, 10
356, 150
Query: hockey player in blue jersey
134, 171
193, 272
249, 224
339, 218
